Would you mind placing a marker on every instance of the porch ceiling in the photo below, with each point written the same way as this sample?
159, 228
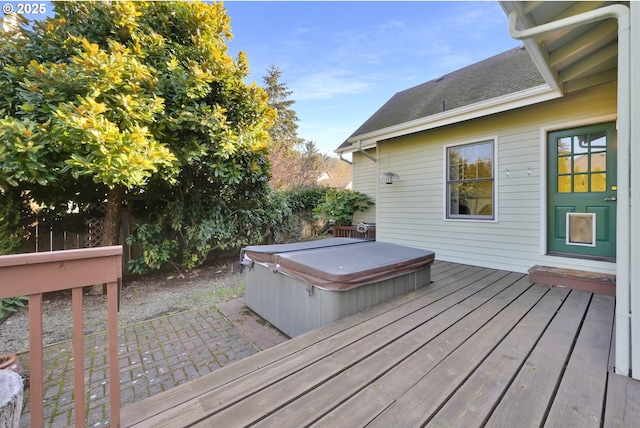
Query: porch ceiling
572, 58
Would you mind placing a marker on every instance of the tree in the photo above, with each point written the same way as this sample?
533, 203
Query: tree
305, 165
284, 132
295, 162
11, 229
120, 100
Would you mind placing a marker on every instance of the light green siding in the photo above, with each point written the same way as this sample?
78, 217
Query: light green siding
365, 180
411, 210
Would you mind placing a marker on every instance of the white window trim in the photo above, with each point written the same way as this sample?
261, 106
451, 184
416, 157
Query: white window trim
445, 196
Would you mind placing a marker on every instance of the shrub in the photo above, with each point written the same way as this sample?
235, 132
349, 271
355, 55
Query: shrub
156, 248
183, 234
11, 239
295, 208
7, 306
306, 199
340, 205
280, 224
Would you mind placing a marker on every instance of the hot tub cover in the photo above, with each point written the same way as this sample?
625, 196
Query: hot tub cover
341, 265
268, 253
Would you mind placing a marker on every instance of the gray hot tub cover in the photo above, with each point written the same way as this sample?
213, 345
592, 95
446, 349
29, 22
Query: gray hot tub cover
269, 253
341, 265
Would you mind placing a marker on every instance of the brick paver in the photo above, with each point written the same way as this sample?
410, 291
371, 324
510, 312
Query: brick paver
155, 355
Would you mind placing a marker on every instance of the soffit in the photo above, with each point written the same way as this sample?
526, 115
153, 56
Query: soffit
575, 58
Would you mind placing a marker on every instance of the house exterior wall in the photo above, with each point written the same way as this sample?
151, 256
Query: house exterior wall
411, 210
365, 180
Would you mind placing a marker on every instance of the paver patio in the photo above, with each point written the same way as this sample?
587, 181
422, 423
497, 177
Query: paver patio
155, 355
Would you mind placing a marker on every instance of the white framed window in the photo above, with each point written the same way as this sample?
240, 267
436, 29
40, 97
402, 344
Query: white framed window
470, 184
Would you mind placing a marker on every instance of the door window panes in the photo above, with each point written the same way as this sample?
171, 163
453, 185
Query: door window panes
582, 163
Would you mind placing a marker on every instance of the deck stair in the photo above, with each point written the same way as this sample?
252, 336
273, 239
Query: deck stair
593, 282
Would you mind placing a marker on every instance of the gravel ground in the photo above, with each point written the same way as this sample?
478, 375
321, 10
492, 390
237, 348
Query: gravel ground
142, 298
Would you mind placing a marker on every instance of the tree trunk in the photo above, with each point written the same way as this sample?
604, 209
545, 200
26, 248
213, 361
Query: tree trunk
11, 395
111, 226
113, 216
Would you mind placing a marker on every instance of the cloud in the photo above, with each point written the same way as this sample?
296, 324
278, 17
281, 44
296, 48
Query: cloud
468, 17
477, 18
328, 84
308, 29
391, 25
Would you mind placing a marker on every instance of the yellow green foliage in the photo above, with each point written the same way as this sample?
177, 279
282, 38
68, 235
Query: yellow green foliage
136, 99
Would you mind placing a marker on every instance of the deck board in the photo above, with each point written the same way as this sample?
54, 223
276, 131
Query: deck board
401, 378
421, 329
529, 395
476, 347
581, 394
474, 401
412, 409
357, 342
623, 402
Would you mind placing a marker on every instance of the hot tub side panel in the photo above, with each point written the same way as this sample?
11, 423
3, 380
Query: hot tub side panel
283, 301
287, 304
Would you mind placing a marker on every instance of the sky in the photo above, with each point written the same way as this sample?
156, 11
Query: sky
344, 60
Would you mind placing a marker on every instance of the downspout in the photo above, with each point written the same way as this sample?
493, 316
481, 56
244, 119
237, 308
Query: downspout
358, 150
623, 246
634, 276
345, 160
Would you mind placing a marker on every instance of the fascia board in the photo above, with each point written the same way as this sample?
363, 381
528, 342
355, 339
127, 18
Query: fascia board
496, 105
539, 56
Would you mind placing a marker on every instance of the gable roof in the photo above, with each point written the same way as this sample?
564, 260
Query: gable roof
501, 75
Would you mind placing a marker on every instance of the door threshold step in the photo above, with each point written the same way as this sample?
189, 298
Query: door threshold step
593, 282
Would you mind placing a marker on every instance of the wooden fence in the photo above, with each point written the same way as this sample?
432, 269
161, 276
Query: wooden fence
46, 235
355, 231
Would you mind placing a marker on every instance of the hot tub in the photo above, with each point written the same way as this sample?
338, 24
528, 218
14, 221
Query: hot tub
302, 286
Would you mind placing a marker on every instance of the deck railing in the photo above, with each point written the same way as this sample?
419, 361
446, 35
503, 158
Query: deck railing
366, 232
35, 274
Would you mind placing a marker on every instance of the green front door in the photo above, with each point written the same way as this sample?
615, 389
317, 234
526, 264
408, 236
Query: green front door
581, 215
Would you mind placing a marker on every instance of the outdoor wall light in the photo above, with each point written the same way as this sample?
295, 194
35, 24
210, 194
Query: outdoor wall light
389, 176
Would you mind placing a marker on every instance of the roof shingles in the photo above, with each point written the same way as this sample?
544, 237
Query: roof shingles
506, 73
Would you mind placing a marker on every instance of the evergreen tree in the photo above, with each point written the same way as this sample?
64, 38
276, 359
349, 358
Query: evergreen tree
295, 162
284, 132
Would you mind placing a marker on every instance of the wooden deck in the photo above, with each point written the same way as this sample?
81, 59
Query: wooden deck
478, 347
